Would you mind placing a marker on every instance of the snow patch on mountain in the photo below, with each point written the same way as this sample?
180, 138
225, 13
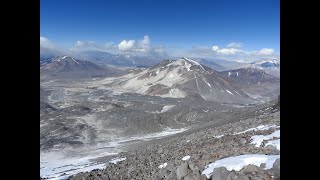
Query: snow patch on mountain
207, 82
275, 143
259, 128
116, 160
229, 92
238, 162
185, 158
174, 93
162, 165
164, 109
258, 139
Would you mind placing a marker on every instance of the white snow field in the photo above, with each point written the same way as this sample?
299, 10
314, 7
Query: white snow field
238, 162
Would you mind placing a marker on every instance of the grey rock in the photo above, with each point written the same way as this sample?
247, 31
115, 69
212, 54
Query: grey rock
263, 165
191, 177
166, 151
242, 177
192, 166
276, 167
172, 176
196, 172
271, 149
182, 171
242, 141
160, 151
170, 167
250, 168
163, 173
220, 173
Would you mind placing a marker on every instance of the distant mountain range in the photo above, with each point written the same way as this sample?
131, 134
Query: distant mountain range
173, 78
128, 60
125, 60
69, 67
267, 63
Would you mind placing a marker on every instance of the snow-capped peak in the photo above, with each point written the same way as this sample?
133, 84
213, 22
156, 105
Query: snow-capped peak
266, 63
191, 61
64, 58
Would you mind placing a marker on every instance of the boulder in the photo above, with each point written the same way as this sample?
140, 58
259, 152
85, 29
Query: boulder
263, 165
182, 171
170, 167
276, 167
250, 168
220, 173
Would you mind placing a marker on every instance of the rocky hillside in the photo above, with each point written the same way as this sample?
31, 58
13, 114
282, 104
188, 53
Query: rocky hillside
255, 82
248, 149
182, 78
244, 77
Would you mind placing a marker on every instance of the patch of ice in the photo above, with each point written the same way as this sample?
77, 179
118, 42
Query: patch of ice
219, 136
238, 162
162, 165
64, 57
171, 75
166, 132
166, 108
229, 73
192, 61
187, 66
259, 128
229, 92
207, 82
257, 139
237, 92
174, 93
75, 61
57, 166
185, 158
275, 143
116, 160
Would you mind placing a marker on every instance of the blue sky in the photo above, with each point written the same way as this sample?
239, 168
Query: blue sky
178, 24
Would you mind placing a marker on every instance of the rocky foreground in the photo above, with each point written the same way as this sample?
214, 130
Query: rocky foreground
169, 159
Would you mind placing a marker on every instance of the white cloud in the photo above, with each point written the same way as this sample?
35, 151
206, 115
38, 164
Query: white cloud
228, 51
126, 45
143, 47
135, 46
84, 44
79, 44
109, 45
45, 43
215, 48
235, 45
47, 48
225, 51
92, 45
266, 51
145, 43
